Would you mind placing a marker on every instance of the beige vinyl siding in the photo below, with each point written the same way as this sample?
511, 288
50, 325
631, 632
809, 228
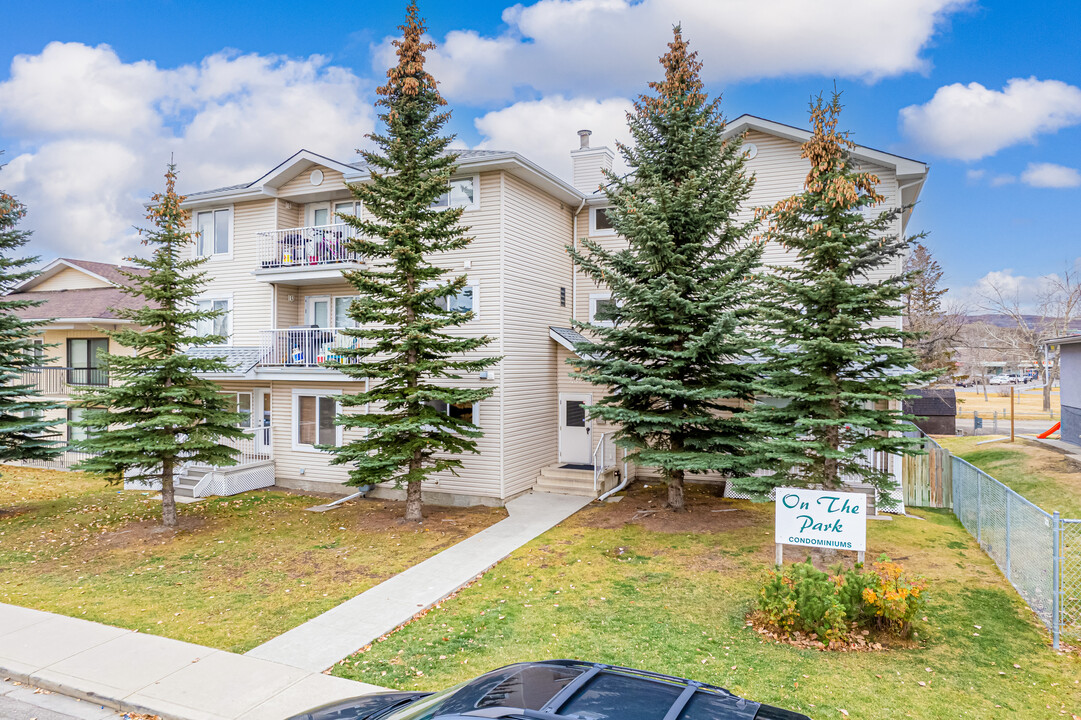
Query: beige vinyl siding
290, 214
536, 230
333, 181
70, 279
288, 312
230, 276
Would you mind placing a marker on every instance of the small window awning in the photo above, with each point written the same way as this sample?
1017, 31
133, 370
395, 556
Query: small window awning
240, 360
568, 338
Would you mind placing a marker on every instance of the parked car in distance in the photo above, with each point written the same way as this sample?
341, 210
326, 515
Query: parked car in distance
558, 690
1000, 380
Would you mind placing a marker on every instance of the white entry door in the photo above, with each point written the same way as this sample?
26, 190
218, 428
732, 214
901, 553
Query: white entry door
575, 441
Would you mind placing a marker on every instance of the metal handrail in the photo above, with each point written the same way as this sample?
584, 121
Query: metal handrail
306, 347
58, 380
304, 246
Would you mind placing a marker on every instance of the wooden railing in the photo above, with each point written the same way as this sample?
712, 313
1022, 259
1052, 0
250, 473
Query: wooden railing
305, 246
306, 347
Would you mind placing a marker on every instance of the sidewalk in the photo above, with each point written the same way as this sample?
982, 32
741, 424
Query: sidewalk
133, 672
338, 633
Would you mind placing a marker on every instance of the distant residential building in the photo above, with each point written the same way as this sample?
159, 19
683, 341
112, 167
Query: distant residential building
1069, 386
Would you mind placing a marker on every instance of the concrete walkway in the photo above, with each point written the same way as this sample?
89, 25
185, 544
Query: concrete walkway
338, 633
133, 672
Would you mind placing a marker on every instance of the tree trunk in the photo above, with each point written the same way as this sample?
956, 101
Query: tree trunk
168, 498
675, 491
413, 507
829, 464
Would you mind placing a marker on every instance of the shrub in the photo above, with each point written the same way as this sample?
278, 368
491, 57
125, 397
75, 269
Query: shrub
827, 606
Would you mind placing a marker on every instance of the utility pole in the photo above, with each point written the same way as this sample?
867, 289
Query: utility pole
1012, 389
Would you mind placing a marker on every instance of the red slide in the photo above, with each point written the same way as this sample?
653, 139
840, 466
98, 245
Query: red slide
1047, 433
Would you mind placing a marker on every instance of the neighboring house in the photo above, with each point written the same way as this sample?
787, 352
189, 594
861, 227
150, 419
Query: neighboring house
276, 253
79, 298
1069, 386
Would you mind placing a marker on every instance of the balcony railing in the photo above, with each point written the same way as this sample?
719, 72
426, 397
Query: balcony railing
60, 380
304, 246
306, 347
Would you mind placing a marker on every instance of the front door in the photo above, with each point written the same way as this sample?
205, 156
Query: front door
317, 311
575, 441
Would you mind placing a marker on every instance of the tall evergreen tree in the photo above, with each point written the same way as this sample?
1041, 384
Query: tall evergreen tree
936, 331
835, 358
672, 349
24, 433
157, 412
405, 348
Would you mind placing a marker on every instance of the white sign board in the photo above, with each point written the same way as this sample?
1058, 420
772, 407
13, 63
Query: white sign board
821, 518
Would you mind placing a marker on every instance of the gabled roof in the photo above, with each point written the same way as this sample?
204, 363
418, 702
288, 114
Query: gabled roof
107, 273
84, 305
476, 160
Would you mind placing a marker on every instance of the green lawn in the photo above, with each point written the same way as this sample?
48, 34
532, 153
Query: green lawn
240, 571
1039, 474
618, 584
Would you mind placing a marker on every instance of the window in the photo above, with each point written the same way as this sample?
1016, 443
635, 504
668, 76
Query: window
341, 312
600, 223
563, 297
84, 365
466, 412
75, 414
463, 302
217, 325
243, 406
462, 193
599, 304
212, 231
345, 208
36, 351
314, 420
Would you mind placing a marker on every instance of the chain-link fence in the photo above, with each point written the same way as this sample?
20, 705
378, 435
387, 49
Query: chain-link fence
1039, 553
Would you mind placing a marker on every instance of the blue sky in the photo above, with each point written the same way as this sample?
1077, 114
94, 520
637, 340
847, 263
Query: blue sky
205, 80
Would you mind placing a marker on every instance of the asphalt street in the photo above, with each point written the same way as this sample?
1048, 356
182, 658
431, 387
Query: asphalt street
21, 702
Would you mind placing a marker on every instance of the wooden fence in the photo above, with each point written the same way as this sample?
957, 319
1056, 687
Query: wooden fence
927, 480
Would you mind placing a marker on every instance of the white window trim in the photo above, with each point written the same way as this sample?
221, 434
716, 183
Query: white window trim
228, 298
476, 414
593, 223
232, 233
470, 285
475, 205
593, 298
294, 419
309, 212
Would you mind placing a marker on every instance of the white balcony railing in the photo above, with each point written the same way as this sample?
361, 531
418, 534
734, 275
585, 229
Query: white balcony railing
304, 246
306, 347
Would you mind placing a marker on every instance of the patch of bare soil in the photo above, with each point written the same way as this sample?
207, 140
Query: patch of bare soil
143, 532
389, 516
707, 512
6, 513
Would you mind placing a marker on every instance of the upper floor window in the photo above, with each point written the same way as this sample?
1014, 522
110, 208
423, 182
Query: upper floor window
599, 305
600, 223
212, 232
465, 301
341, 312
462, 193
219, 325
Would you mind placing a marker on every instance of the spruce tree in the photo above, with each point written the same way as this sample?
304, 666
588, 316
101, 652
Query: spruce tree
157, 412
25, 434
406, 350
936, 330
835, 358
672, 350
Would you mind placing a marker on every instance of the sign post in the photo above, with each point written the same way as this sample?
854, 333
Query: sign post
820, 518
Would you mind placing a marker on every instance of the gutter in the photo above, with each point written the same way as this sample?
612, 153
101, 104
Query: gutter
574, 273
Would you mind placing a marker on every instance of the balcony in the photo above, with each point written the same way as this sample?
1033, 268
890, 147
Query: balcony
61, 380
305, 347
305, 255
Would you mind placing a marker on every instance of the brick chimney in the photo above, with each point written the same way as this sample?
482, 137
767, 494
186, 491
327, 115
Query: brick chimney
589, 162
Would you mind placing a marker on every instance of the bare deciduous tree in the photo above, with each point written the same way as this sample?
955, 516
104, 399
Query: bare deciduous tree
1054, 313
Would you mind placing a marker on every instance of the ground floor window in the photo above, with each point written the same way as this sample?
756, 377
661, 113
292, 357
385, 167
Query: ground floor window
314, 420
243, 406
75, 433
463, 411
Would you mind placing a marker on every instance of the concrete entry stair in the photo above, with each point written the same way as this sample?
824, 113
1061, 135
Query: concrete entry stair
563, 480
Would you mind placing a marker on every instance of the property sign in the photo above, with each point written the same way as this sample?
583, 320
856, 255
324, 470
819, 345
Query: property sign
821, 518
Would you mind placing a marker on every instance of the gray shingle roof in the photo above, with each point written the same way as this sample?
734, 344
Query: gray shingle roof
240, 359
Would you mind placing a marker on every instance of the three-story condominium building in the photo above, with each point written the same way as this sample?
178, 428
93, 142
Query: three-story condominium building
276, 252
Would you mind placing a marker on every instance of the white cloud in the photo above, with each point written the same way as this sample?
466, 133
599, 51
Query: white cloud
969, 122
1025, 291
1000, 180
975, 175
1049, 175
545, 131
601, 47
96, 133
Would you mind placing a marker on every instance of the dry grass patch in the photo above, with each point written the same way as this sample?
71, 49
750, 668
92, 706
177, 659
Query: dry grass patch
238, 572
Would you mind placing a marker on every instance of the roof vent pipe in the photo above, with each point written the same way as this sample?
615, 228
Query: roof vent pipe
583, 138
